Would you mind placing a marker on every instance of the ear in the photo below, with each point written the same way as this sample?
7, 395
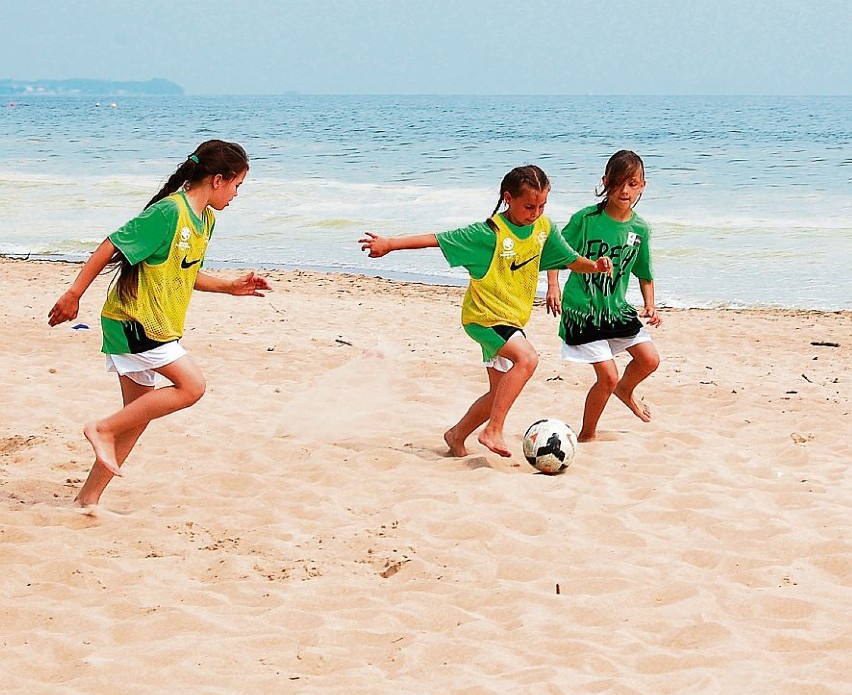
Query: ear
603, 181
217, 180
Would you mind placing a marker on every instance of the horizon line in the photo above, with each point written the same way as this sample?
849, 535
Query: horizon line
450, 94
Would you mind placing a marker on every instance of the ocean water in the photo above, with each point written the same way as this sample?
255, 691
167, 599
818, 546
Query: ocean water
749, 198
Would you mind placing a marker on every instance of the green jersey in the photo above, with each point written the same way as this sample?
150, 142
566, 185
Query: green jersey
472, 247
594, 306
148, 236
166, 242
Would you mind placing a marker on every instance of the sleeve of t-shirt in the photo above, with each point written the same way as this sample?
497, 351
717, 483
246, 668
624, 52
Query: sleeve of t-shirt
470, 247
142, 237
557, 253
642, 268
572, 233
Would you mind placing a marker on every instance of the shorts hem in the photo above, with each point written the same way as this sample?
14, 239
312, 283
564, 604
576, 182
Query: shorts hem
604, 350
141, 367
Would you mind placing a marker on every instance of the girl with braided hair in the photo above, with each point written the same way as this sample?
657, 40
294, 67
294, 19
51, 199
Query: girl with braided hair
503, 256
158, 255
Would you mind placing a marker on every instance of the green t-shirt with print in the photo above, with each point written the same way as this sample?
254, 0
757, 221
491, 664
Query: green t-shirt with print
594, 306
472, 247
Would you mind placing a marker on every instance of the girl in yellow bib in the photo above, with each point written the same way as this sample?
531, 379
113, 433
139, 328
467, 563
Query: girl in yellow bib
503, 256
159, 255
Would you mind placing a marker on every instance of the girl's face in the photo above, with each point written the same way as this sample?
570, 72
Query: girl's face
525, 208
623, 196
224, 190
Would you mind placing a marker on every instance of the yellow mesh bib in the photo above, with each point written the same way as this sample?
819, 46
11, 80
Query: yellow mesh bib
164, 290
506, 292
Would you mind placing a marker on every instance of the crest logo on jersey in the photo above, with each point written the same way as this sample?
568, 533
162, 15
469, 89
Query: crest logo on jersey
541, 238
185, 233
633, 239
508, 248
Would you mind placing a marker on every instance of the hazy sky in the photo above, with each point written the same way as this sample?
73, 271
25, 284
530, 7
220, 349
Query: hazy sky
438, 46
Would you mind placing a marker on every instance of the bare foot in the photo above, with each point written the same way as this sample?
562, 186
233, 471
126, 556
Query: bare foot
494, 442
457, 447
86, 502
85, 508
586, 436
640, 410
104, 448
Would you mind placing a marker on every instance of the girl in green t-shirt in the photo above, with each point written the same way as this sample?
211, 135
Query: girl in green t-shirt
597, 320
503, 256
158, 254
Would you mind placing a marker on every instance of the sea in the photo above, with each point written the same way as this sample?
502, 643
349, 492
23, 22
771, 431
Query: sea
749, 197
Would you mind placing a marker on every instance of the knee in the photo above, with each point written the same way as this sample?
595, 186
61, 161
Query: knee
653, 363
608, 381
194, 390
650, 363
527, 363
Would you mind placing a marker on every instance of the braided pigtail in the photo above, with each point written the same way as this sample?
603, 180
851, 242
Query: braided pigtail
185, 172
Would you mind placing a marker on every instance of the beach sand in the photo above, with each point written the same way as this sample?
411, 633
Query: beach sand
302, 529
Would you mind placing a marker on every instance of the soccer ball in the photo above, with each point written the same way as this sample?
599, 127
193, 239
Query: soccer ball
550, 445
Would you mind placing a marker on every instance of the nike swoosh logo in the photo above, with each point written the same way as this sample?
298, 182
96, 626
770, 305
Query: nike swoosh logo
517, 266
188, 264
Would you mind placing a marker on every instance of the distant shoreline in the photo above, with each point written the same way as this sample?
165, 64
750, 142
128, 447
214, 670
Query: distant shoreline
396, 95
427, 281
88, 88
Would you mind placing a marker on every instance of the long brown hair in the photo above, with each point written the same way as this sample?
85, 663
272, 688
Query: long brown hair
620, 167
209, 159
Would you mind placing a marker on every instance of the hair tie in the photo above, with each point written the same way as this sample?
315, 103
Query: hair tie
194, 158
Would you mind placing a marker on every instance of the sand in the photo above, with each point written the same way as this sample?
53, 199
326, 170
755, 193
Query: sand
302, 529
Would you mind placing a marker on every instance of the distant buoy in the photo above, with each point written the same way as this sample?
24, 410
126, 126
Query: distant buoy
113, 105
97, 103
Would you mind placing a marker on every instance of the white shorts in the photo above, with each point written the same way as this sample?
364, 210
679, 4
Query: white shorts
602, 350
140, 366
504, 364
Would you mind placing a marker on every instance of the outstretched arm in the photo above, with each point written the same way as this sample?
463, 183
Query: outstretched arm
68, 304
584, 265
247, 285
649, 311
377, 246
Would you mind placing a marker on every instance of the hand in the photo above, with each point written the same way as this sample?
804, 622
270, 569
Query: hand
604, 265
554, 301
650, 313
65, 309
376, 246
248, 285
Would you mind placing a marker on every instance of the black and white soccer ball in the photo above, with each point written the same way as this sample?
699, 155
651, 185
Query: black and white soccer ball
550, 445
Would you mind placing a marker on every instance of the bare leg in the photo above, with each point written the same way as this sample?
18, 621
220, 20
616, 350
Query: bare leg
187, 387
596, 399
645, 361
99, 476
476, 415
524, 362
